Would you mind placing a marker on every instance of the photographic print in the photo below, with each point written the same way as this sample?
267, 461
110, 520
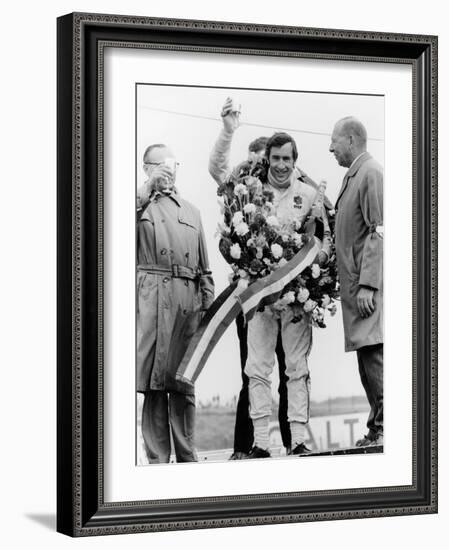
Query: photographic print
259, 273
226, 296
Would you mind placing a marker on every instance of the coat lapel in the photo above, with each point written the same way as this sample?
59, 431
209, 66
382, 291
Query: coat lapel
350, 173
342, 189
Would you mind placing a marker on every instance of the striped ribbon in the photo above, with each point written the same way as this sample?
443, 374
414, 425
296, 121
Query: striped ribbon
231, 302
267, 290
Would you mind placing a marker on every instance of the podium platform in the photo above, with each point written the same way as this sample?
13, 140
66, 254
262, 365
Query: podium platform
222, 455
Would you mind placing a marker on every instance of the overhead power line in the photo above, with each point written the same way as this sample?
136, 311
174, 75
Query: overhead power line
252, 124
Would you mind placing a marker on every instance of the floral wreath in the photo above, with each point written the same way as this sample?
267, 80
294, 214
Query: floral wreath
255, 243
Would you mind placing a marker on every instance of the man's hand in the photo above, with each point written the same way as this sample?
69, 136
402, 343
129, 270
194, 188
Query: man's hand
366, 302
231, 119
160, 179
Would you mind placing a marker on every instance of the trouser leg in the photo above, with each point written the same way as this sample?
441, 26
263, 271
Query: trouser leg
297, 342
182, 420
364, 381
243, 430
370, 360
284, 425
262, 336
155, 426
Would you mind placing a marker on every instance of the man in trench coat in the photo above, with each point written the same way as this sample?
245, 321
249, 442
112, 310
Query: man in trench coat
359, 249
173, 281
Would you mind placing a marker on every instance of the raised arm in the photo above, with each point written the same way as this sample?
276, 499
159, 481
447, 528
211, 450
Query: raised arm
219, 164
144, 191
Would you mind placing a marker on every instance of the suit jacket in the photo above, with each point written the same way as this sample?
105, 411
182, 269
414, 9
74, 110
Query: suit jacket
359, 249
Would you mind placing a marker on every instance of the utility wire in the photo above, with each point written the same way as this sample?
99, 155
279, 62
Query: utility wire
252, 124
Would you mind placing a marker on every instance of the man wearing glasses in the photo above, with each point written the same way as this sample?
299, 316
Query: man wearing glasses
173, 279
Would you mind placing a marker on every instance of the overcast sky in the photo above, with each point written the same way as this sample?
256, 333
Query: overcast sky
187, 119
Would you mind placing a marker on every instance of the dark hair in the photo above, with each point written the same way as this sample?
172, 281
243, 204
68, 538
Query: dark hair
150, 148
258, 144
278, 140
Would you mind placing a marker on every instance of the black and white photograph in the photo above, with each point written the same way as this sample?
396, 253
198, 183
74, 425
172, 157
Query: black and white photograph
221, 357
259, 274
209, 340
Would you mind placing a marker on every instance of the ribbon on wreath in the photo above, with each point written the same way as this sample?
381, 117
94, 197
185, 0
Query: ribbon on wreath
233, 300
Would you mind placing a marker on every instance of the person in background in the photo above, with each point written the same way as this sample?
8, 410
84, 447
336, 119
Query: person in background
359, 250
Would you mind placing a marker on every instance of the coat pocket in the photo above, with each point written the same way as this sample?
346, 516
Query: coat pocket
184, 328
353, 270
146, 285
185, 219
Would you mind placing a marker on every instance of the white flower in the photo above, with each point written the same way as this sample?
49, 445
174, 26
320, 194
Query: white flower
277, 250
243, 283
260, 240
289, 297
222, 229
316, 271
282, 262
249, 208
325, 301
235, 251
259, 253
242, 229
273, 221
237, 218
316, 314
240, 189
242, 274
303, 295
297, 239
285, 238
309, 305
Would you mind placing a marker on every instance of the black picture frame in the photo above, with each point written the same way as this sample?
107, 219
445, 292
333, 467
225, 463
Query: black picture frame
81, 510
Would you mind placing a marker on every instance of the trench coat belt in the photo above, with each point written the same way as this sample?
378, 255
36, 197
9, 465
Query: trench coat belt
175, 270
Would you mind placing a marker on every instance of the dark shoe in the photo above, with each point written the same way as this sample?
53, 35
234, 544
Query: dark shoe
379, 440
365, 441
257, 452
300, 449
238, 455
